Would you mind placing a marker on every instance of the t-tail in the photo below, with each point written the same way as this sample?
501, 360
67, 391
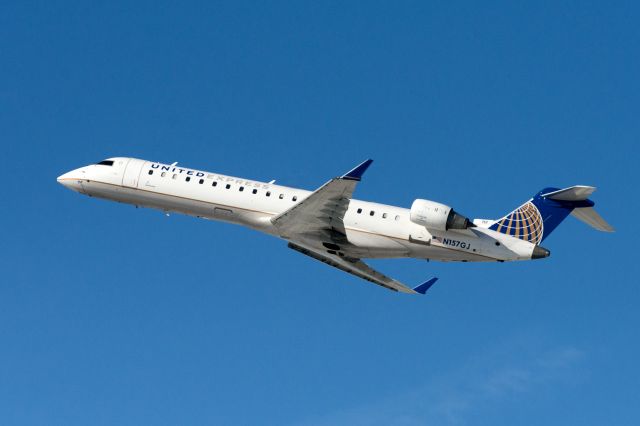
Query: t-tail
536, 219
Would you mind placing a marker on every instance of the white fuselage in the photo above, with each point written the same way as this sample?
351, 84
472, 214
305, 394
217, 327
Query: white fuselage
374, 230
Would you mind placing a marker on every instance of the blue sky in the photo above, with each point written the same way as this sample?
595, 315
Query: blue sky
112, 315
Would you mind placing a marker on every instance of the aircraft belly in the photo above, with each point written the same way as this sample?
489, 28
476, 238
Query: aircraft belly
169, 203
445, 254
375, 245
389, 247
367, 244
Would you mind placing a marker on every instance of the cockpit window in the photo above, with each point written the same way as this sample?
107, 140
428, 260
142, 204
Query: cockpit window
106, 163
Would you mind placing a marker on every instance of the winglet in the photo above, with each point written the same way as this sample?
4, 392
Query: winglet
422, 288
358, 171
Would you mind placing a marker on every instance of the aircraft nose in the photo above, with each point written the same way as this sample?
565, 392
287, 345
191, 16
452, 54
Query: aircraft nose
62, 178
65, 178
71, 180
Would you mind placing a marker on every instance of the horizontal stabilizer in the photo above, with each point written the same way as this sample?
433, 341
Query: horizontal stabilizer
422, 288
591, 217
573, 193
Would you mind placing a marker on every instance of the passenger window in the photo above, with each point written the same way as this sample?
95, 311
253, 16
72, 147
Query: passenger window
255, 191
359, 211
228, 186
187, 178
201, 181
294, 198
214, 183
163, 174
397, 217
384, 215
174, 177
281, 196
150, 172
241, 189
268, 194
371, 213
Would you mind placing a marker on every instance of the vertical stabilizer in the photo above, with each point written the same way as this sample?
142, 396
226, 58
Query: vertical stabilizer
536, 219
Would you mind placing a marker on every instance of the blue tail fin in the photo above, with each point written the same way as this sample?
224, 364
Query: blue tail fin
536, 219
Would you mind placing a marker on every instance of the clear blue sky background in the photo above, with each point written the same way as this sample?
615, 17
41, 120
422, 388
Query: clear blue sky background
112, 315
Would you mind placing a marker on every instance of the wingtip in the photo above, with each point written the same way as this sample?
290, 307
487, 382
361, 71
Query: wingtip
422, 288
357, 172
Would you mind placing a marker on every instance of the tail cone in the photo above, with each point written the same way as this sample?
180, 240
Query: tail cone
540, 253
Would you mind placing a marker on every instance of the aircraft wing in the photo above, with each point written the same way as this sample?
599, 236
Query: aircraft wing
319, 217
323, 210
360, 269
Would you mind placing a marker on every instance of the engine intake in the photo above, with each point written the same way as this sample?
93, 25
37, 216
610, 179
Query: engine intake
437, 216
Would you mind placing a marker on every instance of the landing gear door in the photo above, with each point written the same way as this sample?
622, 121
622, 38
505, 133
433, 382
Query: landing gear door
132, 172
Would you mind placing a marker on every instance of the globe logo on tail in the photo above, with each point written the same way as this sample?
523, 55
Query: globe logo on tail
525, 223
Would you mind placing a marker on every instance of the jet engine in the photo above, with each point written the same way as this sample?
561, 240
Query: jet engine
437, 216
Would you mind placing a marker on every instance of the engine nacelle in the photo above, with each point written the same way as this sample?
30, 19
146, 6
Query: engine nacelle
437, 216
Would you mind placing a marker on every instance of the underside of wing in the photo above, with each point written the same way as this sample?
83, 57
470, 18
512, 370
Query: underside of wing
360, 269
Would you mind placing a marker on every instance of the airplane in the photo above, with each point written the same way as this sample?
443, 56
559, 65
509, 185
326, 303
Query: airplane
330, 226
